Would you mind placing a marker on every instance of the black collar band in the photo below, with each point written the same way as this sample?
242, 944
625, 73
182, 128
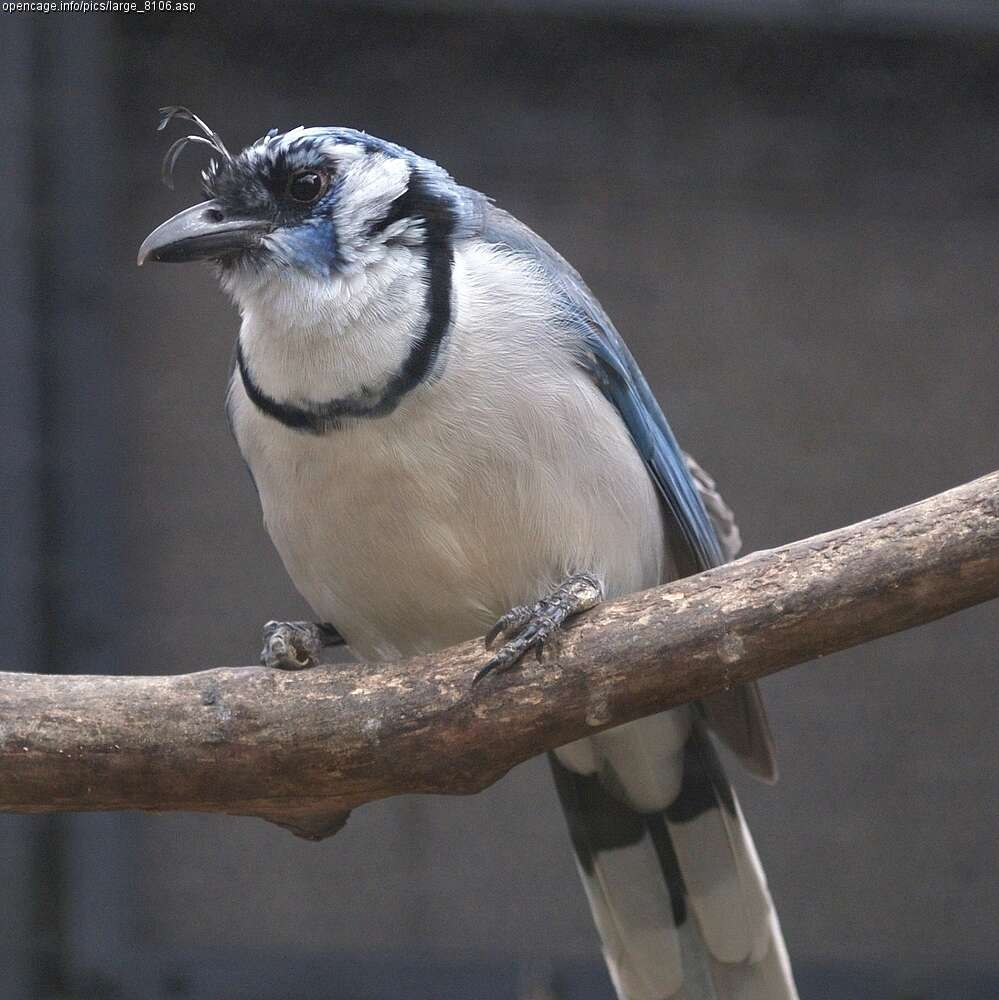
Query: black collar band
321, 418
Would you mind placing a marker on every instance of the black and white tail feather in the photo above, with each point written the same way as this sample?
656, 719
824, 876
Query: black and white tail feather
674, 883
672, 877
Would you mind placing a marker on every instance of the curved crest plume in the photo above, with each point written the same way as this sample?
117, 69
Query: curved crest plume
210, 139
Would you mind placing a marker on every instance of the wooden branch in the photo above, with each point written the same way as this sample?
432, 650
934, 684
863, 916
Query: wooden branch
302, 749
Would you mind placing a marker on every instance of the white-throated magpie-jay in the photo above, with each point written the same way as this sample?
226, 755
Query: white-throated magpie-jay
448, 438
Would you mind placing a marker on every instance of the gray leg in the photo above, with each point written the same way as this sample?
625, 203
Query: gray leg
526, 628
296, 645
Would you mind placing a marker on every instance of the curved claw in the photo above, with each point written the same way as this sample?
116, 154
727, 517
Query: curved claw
516, 617
537, 632
487, 669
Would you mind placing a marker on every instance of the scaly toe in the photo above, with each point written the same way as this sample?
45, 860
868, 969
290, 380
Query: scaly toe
516, 618
502, 661
533, 635
290, 646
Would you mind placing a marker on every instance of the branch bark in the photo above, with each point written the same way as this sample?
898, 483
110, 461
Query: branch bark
303, 749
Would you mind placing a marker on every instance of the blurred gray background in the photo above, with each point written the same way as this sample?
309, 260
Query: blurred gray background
791, 210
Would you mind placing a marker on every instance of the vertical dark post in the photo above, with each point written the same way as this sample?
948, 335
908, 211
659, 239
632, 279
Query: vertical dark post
85, 871
20, 471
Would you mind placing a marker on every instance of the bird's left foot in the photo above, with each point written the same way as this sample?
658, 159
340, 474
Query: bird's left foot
527, 628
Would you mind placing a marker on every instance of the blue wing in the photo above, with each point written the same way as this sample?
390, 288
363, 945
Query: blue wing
738, 715
620, 379
694, 541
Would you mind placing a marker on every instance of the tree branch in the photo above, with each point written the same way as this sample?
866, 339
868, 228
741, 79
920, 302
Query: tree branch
302, 749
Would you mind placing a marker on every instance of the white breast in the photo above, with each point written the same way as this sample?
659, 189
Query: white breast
482, 490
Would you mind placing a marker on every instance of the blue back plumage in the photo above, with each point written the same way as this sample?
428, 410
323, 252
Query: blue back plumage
622, 382
694, 541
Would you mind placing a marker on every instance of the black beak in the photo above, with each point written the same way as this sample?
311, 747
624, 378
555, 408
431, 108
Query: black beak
201, 232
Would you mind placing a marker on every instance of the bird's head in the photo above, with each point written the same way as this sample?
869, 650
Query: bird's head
310, 202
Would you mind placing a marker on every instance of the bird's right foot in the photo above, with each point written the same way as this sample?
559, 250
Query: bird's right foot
296, 645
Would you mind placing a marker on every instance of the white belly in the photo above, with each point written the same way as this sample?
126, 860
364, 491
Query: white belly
484, 489
414, 531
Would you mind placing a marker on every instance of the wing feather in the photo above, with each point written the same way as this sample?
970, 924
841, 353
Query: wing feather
700, 527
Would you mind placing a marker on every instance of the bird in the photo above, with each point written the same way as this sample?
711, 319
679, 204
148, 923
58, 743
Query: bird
450, 439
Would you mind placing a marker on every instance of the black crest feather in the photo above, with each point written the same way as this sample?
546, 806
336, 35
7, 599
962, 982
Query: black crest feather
210, 139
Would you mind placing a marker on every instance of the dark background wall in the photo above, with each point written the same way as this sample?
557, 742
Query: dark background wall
794, 224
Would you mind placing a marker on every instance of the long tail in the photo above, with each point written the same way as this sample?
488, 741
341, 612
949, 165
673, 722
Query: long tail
669, 867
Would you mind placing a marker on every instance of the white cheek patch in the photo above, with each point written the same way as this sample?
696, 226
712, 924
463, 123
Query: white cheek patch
367, 187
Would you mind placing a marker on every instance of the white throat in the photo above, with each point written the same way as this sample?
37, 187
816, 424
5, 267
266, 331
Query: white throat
311, 340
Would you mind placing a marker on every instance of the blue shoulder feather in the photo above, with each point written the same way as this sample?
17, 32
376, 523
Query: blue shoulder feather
621, 381
694, 541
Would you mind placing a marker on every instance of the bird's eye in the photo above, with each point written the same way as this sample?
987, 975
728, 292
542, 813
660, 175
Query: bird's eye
306, 185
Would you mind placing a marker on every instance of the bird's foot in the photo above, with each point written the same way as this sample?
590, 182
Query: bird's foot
292, 645
527, 628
